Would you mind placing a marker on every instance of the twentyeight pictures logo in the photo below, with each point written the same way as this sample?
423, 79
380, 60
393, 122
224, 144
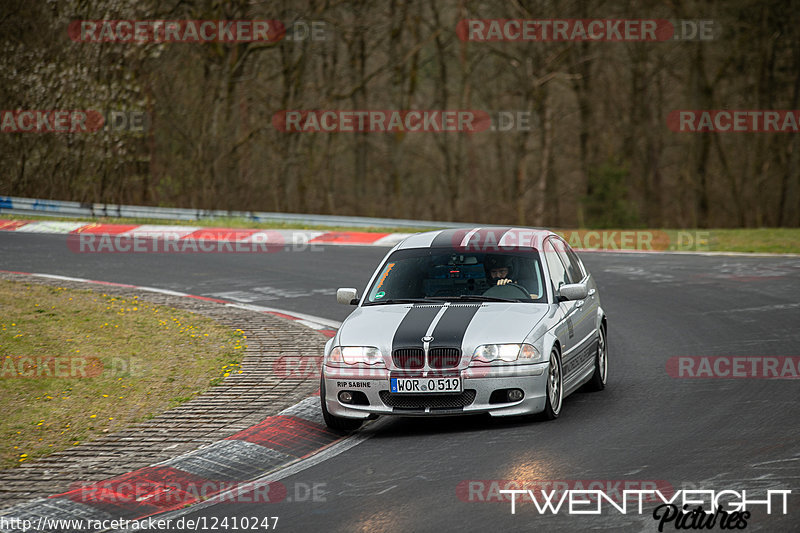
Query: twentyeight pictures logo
596, 500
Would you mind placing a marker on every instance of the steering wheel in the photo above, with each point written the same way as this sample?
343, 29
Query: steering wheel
509, 290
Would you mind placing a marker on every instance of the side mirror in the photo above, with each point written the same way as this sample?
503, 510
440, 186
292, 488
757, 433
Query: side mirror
573, 291
347, 296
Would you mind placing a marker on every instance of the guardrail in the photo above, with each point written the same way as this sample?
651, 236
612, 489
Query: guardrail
58, 208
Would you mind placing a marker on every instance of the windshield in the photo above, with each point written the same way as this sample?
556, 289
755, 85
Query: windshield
429, 274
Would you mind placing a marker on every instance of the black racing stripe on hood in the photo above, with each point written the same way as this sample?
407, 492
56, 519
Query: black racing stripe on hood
414, 326
452, 327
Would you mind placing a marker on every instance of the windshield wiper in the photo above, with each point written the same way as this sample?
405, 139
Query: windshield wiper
481, 298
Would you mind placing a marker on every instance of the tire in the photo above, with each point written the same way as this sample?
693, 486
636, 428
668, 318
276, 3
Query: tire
598, 380
555, 388
337, 423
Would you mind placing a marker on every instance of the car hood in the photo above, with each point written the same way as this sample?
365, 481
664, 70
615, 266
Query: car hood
462, 325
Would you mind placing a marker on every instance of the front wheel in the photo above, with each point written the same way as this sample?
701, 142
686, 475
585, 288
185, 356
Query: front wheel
555, 390
336, 422
600, 375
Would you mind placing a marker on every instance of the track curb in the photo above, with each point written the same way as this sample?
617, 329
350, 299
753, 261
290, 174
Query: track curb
226, 239
245, 455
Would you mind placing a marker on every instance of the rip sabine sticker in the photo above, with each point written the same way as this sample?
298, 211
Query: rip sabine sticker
354, 384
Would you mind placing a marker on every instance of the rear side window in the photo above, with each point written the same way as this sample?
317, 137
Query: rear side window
570, 260
576, 265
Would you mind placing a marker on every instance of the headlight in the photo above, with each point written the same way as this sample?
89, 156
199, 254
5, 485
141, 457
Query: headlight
487, 353
353, 355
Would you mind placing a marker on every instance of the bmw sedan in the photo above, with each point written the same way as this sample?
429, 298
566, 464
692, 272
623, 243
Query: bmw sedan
505, 321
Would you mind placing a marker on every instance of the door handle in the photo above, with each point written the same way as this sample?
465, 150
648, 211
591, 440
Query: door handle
579, 303
591, 292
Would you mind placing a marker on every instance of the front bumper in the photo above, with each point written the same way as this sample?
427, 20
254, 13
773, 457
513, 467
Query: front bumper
371, 388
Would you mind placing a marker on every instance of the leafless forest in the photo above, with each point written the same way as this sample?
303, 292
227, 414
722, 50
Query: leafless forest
599, 152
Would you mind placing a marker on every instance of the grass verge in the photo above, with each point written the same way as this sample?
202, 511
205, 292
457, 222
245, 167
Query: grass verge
756, 240
761, 240
77, 364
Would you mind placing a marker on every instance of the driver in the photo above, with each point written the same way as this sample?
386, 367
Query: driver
498, 270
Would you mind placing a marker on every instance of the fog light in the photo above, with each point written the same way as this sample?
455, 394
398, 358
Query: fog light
345, 396
515, 395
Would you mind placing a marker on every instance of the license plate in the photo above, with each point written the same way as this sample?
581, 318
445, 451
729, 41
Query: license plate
424, 385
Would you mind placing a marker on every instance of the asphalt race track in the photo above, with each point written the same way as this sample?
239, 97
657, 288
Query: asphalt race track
711, 433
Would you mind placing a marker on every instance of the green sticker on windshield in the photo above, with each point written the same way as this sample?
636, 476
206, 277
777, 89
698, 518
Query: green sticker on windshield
380, 295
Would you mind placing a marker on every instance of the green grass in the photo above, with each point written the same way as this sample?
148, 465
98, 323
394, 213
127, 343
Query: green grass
761, 240
77, 364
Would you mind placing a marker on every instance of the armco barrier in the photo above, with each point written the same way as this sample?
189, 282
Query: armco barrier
58, 208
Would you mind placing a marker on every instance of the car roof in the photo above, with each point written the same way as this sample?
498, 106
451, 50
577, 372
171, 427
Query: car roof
478, 239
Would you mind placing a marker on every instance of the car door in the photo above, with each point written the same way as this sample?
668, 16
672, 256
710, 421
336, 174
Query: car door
558, 275
585, 310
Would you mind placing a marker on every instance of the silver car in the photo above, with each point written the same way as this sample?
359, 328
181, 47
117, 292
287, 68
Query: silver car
505, 321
